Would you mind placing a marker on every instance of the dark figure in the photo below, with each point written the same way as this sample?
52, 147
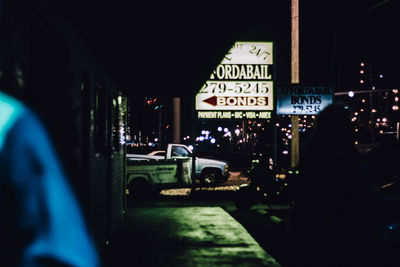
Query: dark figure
41, 223
331, 200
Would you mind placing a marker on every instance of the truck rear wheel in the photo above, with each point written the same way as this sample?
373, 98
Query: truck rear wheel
140, 189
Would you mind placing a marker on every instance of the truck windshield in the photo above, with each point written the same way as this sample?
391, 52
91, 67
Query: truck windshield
178, 151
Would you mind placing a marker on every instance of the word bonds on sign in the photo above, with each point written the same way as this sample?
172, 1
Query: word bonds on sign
237, 101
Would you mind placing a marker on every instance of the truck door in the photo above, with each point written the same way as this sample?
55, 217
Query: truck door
181, 152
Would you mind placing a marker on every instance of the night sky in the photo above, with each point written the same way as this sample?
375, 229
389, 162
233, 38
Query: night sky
170, 48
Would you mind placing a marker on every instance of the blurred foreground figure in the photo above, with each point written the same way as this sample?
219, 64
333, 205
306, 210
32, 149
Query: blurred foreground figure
41, 223
332, 195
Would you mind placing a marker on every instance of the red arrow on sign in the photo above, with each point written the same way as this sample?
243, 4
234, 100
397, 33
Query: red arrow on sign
212, 100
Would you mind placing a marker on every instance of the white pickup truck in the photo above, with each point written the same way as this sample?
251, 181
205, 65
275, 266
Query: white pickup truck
207, 171
146, 176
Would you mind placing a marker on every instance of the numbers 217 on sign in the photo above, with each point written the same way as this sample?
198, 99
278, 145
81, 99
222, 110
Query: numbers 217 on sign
250, 87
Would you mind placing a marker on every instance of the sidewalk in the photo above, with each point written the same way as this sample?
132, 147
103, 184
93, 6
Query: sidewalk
185, 236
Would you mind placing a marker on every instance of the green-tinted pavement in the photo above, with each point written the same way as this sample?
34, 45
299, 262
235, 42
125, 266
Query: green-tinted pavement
185, 236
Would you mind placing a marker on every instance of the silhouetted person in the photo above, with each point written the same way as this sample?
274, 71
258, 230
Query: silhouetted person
331, 202
41, 223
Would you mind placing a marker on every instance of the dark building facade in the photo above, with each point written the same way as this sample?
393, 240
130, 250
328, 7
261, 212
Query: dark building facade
46, 65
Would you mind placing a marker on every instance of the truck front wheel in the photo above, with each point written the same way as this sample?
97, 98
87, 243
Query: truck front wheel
209, 177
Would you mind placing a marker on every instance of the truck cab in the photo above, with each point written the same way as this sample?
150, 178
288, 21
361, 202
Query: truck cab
208, 171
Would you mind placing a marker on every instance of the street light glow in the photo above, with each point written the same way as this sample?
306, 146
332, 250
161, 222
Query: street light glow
351, 94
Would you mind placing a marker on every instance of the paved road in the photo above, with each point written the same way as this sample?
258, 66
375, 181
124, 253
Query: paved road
226, 237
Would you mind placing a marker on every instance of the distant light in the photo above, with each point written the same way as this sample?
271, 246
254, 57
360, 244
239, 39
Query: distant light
395, 91
381, 131
362, 64
395, 107
363, 100
219, 129
277, 124
384, 119
390, 227
289, 136
285, 152
203, 132
378, 119
351, 94
155, 139
201, 138
207, 132
362, 71
290, 125
373, 87
356, 130
212, 140
362, 110
381, 76
237, 131
373, 110
226, 130
361, 81
396, 99
119, 100
190, 147
355, 113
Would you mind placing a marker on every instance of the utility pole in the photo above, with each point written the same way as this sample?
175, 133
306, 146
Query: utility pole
177, 120
295, 79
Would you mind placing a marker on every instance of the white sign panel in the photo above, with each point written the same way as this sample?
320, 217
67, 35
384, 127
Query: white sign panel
242, 82
250, 53
303, 100
240, 95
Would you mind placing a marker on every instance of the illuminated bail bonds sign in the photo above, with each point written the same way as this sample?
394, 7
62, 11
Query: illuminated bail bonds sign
303, 100
242, 86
